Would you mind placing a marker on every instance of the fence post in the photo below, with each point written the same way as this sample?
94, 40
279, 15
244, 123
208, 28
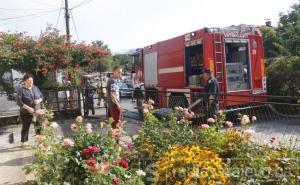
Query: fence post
79, 100
57, 102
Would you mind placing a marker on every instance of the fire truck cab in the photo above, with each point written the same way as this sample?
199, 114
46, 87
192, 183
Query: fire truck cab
171, 70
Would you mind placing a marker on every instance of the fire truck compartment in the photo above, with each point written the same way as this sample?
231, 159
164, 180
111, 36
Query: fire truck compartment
150, 69
237, 66
193, 64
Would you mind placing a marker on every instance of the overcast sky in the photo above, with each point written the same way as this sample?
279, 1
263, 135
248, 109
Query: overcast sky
127, 24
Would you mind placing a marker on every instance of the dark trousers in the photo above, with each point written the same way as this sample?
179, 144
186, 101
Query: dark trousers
212, 108
26, 119
89, 104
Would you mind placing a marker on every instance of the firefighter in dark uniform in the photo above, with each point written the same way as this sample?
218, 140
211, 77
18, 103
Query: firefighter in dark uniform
211, 90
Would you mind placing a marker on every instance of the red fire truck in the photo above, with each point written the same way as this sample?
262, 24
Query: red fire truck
170, 70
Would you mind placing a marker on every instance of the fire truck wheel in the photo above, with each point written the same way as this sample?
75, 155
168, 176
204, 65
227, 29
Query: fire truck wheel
177, 99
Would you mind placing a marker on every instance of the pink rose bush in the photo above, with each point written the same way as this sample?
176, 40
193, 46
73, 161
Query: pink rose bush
84, 154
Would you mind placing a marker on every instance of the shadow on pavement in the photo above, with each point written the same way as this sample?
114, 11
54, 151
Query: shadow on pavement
18, 161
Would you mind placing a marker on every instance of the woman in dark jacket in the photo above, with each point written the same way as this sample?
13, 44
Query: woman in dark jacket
29, 98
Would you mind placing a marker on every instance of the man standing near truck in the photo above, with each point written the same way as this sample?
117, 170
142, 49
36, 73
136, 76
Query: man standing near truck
113, 97
212, 90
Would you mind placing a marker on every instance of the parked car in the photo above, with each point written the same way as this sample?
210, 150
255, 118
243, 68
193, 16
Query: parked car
125, 91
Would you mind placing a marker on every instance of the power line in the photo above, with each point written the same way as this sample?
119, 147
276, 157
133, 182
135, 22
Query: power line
28, 15
73, 20
14, 9
25, 19
42, 3
61, 7
82, 3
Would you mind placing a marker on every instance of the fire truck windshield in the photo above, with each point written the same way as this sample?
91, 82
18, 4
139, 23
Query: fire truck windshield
237, 66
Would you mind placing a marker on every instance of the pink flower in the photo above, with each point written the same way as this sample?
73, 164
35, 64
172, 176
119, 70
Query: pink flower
104, 168
145, 110
273, 139
150, 102
145, 106
88, 128
44, 147
40, 137
68, 142
245, 120
204, 126
183, 120
74, 127
211, 120
129, 146
94, 149
180, 109
229, 124
116, 132
189, 114
40, 112
248, 133
91, 161
116, 181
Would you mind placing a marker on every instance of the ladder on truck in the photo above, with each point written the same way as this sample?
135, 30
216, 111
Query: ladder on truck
219, 62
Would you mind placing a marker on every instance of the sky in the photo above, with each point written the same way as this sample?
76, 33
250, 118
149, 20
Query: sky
128, 24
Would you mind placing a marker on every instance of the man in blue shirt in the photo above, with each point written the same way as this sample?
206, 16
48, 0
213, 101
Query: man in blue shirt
29, 98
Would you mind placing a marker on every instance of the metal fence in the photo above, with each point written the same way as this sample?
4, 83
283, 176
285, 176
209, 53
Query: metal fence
264, 107
276, 116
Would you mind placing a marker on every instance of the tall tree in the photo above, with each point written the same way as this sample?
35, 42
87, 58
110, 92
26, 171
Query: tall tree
273, 43
289, 29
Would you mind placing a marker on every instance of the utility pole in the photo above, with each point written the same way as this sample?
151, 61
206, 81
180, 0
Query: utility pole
67, 15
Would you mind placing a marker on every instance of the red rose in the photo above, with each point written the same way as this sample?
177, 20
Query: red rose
94, 149
116, 181
123, 163
91, 161
85, 151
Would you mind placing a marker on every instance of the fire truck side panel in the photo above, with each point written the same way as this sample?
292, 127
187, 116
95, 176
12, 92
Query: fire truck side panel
171, 63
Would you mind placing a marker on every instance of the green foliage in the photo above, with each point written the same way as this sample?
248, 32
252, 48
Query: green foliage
283, 43
122, 60
289, 29
247, 162
283, 76
273, 43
